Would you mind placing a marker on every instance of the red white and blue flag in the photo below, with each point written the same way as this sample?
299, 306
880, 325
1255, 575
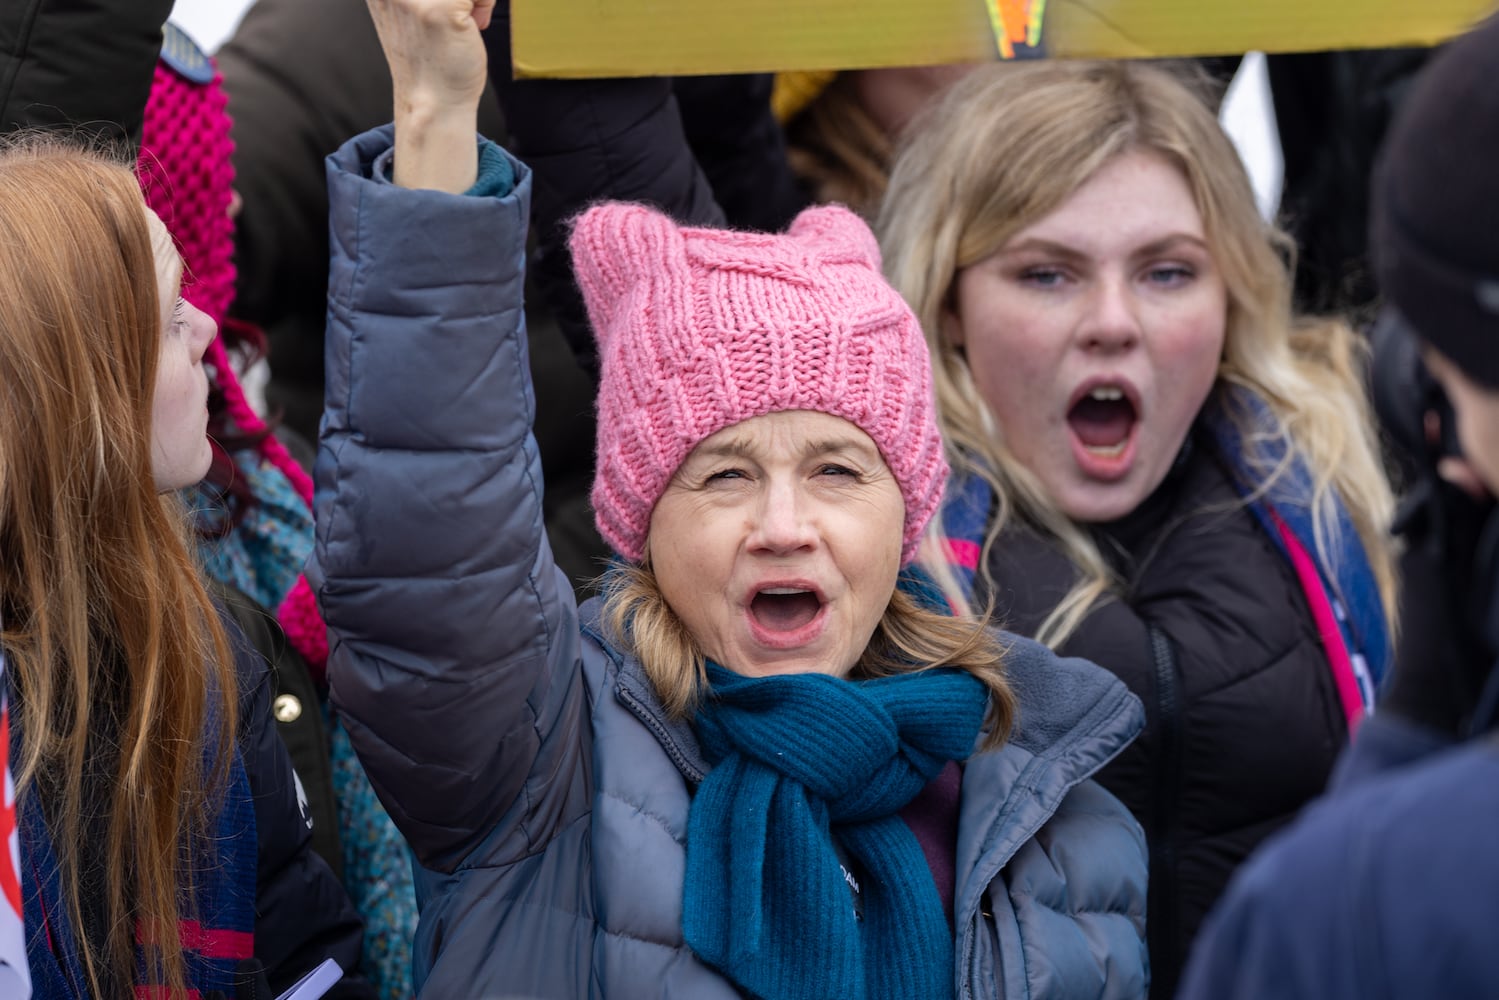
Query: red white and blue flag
15, 974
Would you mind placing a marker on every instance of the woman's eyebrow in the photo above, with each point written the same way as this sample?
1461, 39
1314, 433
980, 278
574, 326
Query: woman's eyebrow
840, 445
1036, 243
1171, 242
1067, 252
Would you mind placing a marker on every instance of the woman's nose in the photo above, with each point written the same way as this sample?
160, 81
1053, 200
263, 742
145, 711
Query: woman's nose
1112, 322
202, 330
782, 524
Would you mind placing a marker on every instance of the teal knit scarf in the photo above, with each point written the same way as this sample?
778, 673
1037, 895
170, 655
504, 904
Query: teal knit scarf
808, 766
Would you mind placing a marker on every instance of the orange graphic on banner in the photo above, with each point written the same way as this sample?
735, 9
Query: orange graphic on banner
1015, 22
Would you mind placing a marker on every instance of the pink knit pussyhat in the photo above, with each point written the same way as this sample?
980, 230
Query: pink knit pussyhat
699, 329
187, 176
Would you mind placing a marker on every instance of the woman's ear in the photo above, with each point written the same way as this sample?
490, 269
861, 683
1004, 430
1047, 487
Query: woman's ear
951, 324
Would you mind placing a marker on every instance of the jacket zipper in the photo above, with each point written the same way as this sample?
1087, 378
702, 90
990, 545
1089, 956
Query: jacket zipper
1161, 929
689, 770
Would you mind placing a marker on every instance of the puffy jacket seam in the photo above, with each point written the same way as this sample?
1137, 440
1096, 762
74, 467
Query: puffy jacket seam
1269, 664
485, 283
636, 939
640, 811
534, 586
19, 56
367, 442
346, 307
1078, 911
519, 453
468, 865
1132, 915
353, 295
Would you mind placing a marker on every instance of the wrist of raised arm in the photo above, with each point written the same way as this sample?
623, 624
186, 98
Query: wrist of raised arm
435, 146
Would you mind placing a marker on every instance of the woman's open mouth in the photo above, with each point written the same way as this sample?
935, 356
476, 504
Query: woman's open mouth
784, 617
1103, 422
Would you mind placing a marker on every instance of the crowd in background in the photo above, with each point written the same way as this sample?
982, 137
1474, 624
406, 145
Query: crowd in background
898, 532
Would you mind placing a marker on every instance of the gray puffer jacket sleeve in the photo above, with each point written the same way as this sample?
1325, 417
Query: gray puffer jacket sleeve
454, 640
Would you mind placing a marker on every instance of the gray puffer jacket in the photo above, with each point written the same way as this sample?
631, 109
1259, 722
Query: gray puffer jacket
531, 766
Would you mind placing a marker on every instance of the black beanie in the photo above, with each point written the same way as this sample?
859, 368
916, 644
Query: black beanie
1434, 229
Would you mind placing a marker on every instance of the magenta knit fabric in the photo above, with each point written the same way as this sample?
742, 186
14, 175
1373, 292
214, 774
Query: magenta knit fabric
188, 179
187, 176
699, 329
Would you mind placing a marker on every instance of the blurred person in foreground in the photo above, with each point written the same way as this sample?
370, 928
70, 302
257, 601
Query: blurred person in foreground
1386, 888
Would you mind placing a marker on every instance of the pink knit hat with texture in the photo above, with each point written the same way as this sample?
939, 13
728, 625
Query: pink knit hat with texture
699, 329
186, 171
187, 177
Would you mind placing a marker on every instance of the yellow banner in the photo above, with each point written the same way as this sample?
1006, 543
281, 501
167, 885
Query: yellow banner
581, 38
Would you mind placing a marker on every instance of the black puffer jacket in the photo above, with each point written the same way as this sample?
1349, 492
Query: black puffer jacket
1243, 721
83, 63
294, 99
302, 913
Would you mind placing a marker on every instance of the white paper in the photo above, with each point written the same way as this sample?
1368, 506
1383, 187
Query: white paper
315, 983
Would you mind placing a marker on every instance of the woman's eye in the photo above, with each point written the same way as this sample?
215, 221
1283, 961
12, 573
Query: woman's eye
724, 475
1042, 277
1170, 275
836, 470
179, 313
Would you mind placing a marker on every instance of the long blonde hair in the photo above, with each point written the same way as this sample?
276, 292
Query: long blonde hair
112, 646
838, 150
908, 638
1008, 145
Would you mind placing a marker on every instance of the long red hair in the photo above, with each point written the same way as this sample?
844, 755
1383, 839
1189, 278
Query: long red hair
120, 668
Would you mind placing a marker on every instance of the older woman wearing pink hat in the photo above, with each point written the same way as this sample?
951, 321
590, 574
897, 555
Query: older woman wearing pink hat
766, 762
